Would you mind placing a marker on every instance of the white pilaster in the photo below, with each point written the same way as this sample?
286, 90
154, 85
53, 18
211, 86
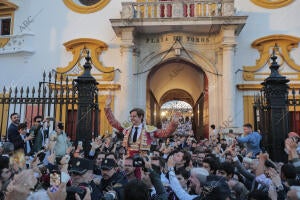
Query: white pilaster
126, 97
228, 76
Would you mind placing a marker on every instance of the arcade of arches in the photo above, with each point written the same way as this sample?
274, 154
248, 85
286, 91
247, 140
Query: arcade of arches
181, 81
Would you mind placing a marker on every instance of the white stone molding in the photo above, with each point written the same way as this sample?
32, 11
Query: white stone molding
19, 44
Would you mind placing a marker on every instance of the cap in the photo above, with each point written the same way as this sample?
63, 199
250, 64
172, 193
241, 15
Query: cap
80, 165
108, 164
293, 134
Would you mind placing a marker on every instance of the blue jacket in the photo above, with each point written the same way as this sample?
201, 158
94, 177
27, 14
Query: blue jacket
252, 142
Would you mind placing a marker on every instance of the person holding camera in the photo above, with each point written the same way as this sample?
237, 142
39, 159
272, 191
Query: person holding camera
38, 133
138, 136
113, 181
24, 141
152, 187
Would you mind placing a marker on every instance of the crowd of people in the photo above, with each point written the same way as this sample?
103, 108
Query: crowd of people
184, 125
141, 162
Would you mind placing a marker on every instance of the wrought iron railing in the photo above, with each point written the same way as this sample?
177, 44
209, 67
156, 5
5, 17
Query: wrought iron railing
55, 96
262, 111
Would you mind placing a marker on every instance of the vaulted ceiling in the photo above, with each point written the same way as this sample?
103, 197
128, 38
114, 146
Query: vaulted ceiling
176, 81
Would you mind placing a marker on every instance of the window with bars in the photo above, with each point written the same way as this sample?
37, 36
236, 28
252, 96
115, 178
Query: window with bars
5, 26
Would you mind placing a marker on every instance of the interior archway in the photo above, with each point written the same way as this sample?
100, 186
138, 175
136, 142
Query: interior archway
183, 81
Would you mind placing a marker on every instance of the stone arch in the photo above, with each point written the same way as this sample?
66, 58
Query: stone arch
153, 59
178, 76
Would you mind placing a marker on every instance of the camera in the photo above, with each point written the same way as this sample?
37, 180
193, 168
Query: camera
72, 190
55, 180
296, 139
110, 195
80, 190
138, 161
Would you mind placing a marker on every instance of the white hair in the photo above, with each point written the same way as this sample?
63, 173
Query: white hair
201, 174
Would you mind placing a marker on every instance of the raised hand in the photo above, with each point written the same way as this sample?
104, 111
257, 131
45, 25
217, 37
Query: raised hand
176, 117
51, 158
171, 162
263, 156
86, 197
290, 145
30, 137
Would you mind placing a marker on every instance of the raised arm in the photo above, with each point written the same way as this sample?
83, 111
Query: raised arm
110, 116
243, 139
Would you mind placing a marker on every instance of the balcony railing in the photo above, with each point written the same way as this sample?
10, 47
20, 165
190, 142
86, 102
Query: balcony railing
15, 44
177, 9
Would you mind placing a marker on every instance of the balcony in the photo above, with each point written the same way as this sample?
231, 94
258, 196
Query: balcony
198, 16
17, 44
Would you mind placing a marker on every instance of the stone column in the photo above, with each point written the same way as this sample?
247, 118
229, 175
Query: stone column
228, 76
126, 99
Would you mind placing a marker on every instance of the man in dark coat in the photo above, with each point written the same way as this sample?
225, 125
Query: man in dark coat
12, 131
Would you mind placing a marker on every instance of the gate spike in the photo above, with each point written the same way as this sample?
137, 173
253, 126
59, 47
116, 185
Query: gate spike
16, 90
9, 92
49, 77
4, 90
61, 77
27, 90
44, 91
50, 91
293, 91
22, 90
44, 75
55, 76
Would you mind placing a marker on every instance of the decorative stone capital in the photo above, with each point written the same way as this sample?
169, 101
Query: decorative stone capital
127, 37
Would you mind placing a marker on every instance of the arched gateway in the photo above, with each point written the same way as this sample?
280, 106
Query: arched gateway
179, 50
177, 79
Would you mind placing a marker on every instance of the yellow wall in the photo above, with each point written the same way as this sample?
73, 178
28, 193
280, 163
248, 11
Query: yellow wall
248, 109
4, 116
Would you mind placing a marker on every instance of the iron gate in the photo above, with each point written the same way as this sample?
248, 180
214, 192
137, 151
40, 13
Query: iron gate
56, 96
262, 118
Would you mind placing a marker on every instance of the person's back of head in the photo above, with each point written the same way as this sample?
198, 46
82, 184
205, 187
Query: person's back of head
288, 171
4, 162
8, 148
136, 190
200, 173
